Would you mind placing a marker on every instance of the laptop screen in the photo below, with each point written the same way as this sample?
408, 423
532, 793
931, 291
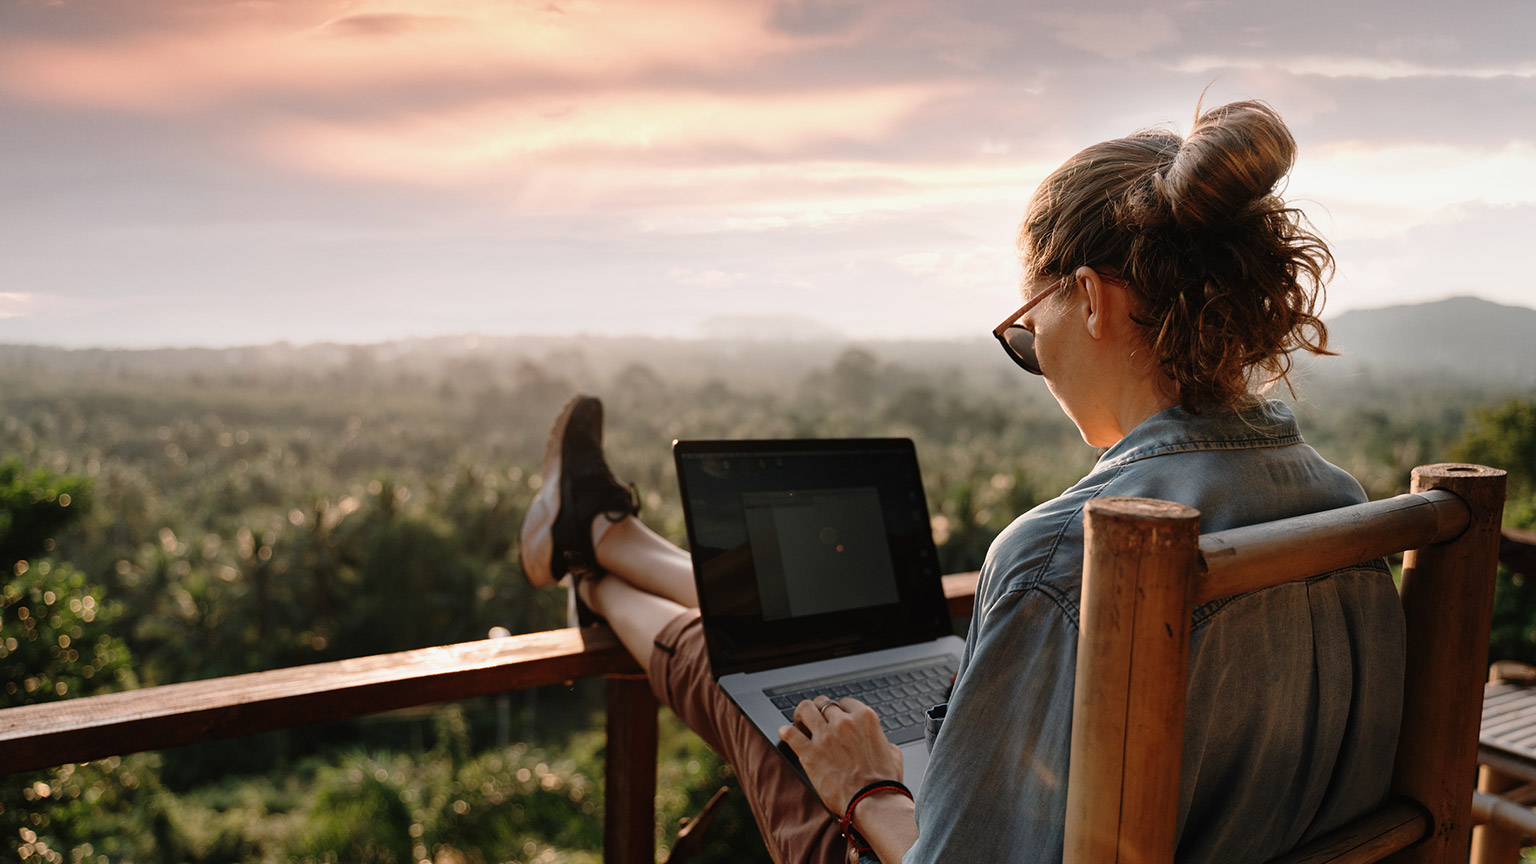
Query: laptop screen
808, 549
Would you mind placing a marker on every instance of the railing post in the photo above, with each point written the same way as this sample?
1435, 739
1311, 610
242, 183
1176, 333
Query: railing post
1448, 605
629, 810
1128, 722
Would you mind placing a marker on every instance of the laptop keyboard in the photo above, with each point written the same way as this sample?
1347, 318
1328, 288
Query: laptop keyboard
901, 695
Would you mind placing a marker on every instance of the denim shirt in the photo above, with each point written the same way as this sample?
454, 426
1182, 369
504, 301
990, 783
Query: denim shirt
1294, 691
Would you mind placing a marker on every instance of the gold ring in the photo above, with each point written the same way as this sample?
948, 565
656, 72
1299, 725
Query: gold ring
823, 707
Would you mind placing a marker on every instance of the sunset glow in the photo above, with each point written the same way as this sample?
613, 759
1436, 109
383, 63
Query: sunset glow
644, 166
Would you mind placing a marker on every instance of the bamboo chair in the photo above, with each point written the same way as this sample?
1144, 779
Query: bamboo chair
1147, 569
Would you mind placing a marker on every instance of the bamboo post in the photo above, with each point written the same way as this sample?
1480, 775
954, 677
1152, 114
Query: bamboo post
1128, 720
1448, 605
1495, 844
629, 808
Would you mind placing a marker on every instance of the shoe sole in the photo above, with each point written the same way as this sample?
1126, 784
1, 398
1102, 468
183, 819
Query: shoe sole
536, 543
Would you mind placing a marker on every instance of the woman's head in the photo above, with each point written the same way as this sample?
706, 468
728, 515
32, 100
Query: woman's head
1225, 279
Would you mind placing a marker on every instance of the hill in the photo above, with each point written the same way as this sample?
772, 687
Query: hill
1463, 337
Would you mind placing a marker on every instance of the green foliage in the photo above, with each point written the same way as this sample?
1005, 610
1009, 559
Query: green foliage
53, 639
55, 643
110, 809
248, 516
1505, 437
34, 507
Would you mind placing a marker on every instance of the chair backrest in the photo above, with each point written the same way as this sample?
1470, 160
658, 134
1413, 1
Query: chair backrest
1145, 571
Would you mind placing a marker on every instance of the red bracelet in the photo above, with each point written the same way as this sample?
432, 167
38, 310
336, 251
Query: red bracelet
845, 822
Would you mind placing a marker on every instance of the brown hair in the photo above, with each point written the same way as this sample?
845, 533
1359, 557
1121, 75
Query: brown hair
1228, 279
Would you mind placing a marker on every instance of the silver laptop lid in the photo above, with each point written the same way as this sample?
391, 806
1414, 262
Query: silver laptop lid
808, 549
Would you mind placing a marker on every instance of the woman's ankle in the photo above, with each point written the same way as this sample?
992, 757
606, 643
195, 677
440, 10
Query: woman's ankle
601, 526
586, 589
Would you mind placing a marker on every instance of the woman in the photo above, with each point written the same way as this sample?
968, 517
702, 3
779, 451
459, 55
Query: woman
1166, 285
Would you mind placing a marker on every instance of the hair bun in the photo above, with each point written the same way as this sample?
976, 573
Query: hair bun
1234, 156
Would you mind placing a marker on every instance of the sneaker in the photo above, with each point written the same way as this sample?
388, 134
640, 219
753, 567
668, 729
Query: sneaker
578, 485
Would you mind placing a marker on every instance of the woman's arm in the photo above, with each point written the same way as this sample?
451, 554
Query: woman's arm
842, 749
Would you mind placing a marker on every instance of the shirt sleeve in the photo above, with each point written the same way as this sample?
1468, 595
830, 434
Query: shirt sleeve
996, 785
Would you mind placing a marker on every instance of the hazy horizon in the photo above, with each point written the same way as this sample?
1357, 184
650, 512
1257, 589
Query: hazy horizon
177, 174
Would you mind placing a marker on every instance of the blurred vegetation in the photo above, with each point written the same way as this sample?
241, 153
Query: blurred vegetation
166, 518
1504, 436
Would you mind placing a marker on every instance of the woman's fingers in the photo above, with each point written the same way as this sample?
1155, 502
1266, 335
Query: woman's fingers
792, 735
854, 708
841, 747
809, 716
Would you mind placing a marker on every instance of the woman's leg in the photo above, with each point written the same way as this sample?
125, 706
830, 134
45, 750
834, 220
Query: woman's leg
667, 639
644, 587
630, 550
635, 615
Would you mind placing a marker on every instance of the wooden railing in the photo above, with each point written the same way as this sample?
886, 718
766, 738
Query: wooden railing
38, 736
76, 730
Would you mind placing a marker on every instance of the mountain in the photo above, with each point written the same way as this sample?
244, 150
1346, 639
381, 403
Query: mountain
1463, 340
1463, 337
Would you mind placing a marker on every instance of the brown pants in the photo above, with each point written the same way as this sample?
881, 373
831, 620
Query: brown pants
795, 825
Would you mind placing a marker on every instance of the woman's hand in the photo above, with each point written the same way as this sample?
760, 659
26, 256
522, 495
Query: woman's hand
841, 748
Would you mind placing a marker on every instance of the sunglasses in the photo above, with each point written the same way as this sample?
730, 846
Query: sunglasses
1017, 341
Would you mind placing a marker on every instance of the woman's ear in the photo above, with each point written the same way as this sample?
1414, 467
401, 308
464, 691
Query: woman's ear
1098, 303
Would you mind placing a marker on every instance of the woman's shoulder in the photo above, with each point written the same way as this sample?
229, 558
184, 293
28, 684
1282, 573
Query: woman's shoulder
1043, 548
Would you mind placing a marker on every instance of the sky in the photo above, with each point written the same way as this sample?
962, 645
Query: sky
190, 172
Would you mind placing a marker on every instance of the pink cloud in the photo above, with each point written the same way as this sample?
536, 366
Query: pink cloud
301, 49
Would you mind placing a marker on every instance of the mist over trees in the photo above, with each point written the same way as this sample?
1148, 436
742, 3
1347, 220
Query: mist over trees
174, 515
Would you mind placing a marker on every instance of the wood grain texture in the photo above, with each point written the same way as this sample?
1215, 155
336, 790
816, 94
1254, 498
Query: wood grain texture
1128, 717
1396, 826
1447, 592
1259, 556
629, 801
1494, 812
1498, 841
75, 730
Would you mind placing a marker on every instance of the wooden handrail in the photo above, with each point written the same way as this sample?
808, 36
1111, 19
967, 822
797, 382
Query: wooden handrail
152, 718
75, 730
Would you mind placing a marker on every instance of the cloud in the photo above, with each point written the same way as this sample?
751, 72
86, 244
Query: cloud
855, 160
704, 278
635, 132
1112, 34
387, 25
1448, 252
383, 45
1385, 188
15, 304
1344, 66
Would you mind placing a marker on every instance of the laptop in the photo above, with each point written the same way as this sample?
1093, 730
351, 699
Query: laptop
817, 574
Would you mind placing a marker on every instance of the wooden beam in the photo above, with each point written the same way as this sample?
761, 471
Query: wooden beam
629, 799
1396, 826
1246, 559
152, 718
960, 593
1517, 551
1448, 606
76, 730
1506, 816
1128, 717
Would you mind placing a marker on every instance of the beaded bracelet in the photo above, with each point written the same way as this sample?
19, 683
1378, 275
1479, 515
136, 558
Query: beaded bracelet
845, 822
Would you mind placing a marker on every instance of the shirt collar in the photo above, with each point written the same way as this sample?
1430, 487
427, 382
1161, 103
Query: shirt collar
1267, 424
